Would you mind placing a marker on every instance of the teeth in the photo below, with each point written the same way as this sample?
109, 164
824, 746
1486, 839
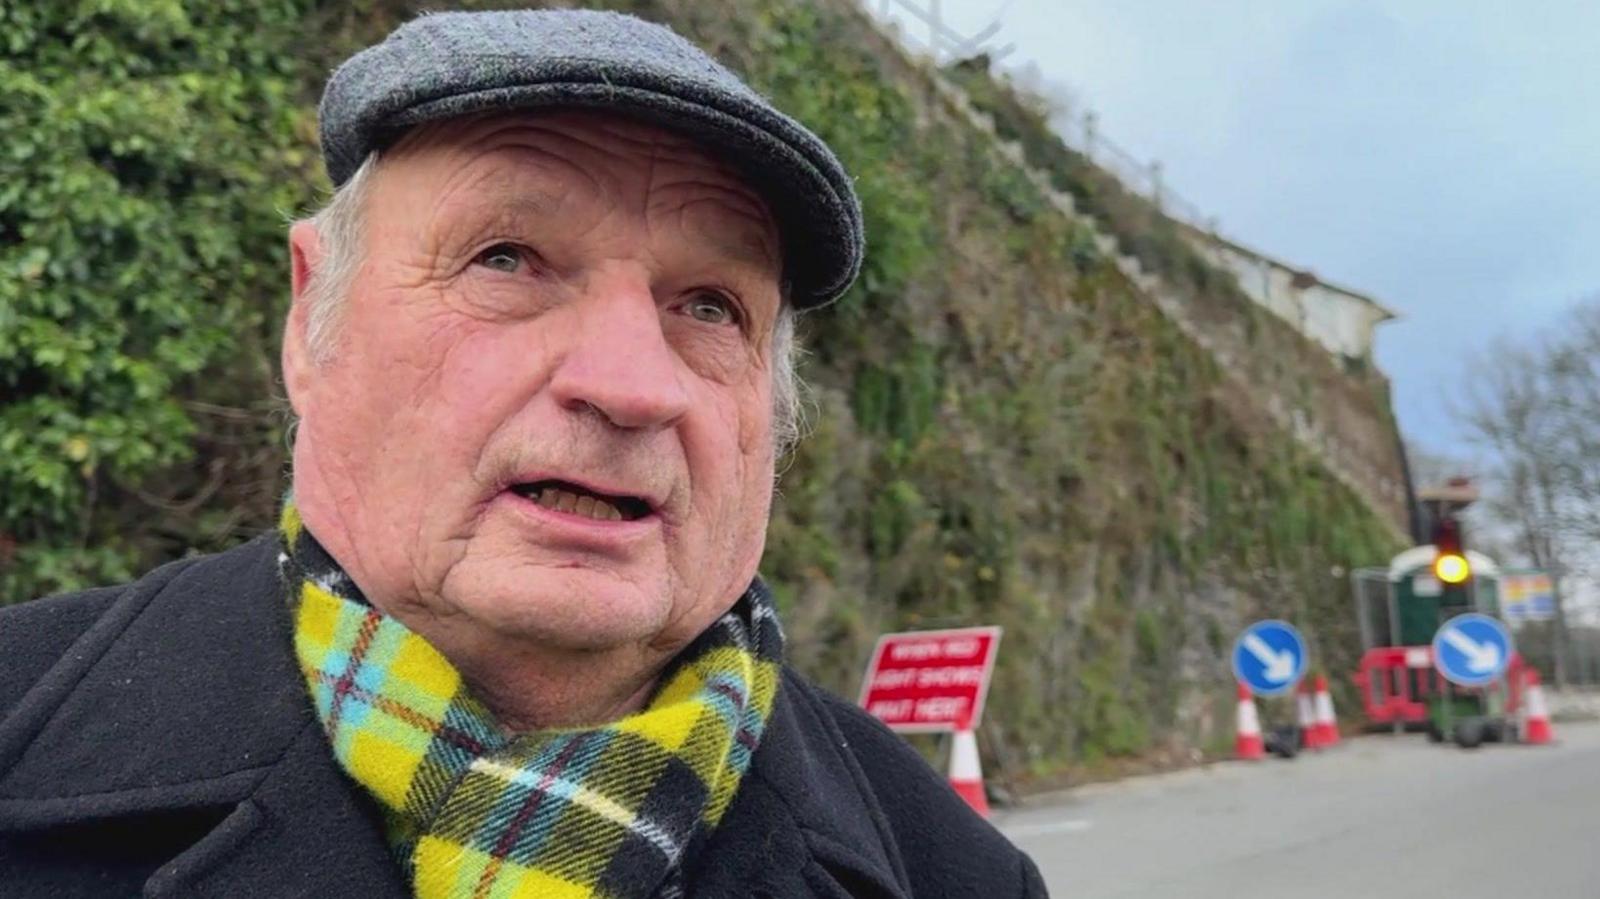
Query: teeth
587, 506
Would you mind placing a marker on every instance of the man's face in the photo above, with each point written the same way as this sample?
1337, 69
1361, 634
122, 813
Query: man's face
548, 416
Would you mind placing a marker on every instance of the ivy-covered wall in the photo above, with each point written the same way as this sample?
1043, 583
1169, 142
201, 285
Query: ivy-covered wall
150, 149
1005, 431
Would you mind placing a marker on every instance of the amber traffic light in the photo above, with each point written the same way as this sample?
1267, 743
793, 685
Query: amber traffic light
1452, 569
1450, 563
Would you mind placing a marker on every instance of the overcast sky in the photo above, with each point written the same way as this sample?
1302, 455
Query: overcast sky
1442, 156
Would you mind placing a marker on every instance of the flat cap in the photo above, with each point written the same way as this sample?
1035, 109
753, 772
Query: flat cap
444, 65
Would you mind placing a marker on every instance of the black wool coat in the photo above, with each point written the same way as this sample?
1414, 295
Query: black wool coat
157, 739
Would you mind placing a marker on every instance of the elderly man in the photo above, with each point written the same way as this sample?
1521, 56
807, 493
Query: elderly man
509, 639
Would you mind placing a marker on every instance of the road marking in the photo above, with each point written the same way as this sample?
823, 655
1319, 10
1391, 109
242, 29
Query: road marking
1073, 825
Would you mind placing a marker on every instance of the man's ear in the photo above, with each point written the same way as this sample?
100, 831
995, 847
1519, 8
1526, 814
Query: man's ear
305, 263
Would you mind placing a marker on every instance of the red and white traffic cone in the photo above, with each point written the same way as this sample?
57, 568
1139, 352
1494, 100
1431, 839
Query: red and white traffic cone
966, 775
1536, 715
1327, 726
1306, 717
1247, 742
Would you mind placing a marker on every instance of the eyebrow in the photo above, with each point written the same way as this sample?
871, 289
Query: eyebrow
513, 199
741, 243
748, 253
521, 203
462, 222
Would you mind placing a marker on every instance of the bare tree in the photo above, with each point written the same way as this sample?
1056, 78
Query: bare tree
1535, 407
1575, 400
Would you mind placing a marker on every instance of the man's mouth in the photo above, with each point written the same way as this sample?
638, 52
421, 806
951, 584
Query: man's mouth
563, 496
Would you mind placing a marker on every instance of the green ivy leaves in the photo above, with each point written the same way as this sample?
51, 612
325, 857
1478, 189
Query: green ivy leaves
150, 147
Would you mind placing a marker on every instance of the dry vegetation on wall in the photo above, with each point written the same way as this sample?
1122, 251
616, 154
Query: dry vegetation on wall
1006, 431
1345, 400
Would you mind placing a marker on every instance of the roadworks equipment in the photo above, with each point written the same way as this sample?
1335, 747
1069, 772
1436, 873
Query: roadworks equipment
1306, 716
1536, 727
1327, 725
966, 776
1247, 744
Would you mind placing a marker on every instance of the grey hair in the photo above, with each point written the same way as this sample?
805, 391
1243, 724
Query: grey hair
341, 225
788, 389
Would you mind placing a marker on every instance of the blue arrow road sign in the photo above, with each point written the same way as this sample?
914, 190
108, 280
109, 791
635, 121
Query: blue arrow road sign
1472, 649
1269, 657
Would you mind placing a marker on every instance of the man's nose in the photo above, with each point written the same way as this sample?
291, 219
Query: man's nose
620, 362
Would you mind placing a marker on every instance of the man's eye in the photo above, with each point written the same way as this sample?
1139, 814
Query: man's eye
712, 309
502, 257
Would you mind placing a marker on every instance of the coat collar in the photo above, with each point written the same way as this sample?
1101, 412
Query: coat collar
180, 696
185, 696
804, 811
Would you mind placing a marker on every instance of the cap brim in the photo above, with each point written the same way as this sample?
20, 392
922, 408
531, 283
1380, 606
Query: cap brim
810, 214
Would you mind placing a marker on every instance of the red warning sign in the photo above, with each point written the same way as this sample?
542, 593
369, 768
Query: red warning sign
925, 681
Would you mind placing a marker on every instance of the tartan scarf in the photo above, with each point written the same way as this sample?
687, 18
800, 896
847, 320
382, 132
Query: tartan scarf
605, 811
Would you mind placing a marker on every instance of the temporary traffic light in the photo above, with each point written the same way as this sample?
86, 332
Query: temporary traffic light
1450, 563
1452, 569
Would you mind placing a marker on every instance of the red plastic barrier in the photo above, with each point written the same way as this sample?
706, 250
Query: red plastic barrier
1396, 683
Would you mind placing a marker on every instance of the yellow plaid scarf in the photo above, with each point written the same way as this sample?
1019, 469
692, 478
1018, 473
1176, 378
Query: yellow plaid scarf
608, 811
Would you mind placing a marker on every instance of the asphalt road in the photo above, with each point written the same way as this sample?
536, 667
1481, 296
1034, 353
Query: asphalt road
1376, 816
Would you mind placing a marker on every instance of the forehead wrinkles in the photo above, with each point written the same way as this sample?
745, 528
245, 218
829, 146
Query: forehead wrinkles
502, 166
730, 216
662, 176
700, 194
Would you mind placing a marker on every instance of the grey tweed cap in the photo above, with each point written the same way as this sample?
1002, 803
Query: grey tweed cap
444, 65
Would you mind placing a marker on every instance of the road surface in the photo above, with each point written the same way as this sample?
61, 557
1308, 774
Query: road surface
1377, 816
